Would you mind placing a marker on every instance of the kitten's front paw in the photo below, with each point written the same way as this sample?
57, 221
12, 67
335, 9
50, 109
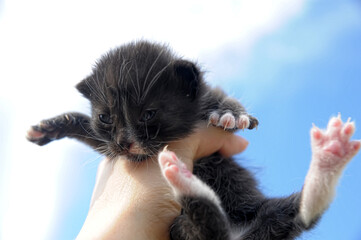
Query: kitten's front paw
41, 134
228, 121
49, 130
332, 148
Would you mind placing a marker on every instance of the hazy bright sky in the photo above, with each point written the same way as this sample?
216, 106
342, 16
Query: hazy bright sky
291, 62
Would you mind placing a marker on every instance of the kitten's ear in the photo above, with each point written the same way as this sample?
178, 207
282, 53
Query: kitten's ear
189, 75
84, 88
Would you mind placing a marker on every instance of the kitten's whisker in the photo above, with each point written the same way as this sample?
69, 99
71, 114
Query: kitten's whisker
99, 91
138, 83
151, 68
88, 162
97, 94
156, 134
123, 66
91, 135
146, 130
154, 80
132, 82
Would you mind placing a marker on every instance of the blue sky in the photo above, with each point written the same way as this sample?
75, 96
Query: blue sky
292, 63
316, 75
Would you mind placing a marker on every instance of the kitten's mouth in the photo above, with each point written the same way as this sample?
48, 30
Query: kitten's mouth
133, 151
136, 149
136, 153
137, 157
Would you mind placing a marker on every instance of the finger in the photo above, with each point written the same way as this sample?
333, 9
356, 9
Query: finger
234, 144
213, 139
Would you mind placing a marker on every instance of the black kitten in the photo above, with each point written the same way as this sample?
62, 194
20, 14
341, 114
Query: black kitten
143, 97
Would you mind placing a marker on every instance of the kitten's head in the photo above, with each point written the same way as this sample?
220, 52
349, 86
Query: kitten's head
142, 98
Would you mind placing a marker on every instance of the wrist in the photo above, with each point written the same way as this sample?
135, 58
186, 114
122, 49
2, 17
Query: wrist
133, 195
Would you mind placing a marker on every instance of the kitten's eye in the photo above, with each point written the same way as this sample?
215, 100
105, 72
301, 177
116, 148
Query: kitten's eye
105, 118
148, 115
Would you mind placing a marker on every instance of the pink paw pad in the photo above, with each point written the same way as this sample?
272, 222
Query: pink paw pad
355, 146
175, 171
332, 148
335, 122
243, 122
230, 121
335, 148
316, 133
182, 181
334, 126
33, 134
227, 121
214, 118
348, 129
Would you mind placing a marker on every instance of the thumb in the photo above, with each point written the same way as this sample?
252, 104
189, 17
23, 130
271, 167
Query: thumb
232, 145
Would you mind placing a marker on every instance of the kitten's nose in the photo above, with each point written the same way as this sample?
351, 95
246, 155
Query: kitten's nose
125, 140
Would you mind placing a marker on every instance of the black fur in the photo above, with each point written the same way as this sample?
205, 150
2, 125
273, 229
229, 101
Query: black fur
133, 79
141, 93
200, 219
252, 215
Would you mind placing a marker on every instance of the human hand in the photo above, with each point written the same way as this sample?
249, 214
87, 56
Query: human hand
132, 200
206, 141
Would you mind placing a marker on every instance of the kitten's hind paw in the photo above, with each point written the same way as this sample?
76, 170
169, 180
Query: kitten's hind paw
332, 148
228, 121
181, 180
176, 173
